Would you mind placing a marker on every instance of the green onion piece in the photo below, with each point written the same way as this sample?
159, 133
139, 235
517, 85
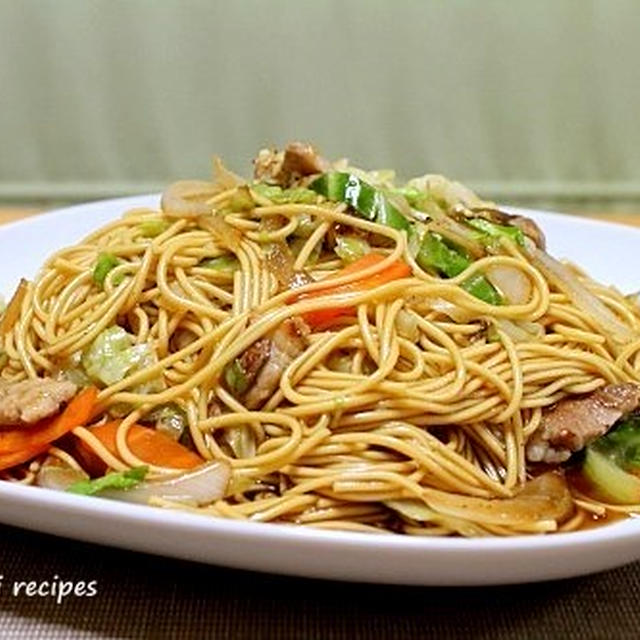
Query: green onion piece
368, 202
351, 248
105, 263
122, 480
494, 230
227, 262
153, 228
235, 378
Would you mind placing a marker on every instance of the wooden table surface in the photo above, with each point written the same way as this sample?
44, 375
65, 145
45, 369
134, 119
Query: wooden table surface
9, 214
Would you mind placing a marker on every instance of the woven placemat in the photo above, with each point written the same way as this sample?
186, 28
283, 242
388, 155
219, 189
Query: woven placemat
143, 596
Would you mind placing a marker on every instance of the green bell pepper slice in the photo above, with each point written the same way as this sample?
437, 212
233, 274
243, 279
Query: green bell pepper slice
369, 203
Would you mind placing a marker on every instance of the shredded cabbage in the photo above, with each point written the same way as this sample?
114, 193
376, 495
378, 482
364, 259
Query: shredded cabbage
113, 355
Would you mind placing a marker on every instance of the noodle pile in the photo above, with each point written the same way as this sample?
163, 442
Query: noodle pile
420, 395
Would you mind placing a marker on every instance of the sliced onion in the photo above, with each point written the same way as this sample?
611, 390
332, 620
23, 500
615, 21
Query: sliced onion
12, 312
453, 311
545, 498
199, 487
566, 281
226, 235
59, 477
512, 283
242, 441
187, 199
223, 179
418, 511
407, 325
520, 330
280, 262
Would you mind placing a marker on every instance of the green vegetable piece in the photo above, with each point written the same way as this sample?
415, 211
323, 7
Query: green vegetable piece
169, 419
479, 287
269, 191
153, 228
277, 195
306, 225
494, 230
435, 254
241, 200
105, 263
351, 248
4, 358
368, 202
121, 480
300, 195
413, 196
622, 444
609, 479
112, 355
227, 262
235, 377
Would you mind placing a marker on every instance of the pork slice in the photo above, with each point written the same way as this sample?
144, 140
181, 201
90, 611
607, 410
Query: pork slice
301, 159
283, 168
575, 422
286, 343
28, 401
254, 358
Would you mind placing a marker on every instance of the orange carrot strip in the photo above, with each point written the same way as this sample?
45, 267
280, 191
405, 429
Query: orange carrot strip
8, 460
19, 444
146, 443
325, 317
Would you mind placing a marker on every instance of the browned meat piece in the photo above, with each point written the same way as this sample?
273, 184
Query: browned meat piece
301, 159
531, 229
575, 422
28, 401
285, 167
286, 343
267, 166
254, 358
526, 225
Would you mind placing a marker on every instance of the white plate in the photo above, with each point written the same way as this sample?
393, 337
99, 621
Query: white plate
609, 252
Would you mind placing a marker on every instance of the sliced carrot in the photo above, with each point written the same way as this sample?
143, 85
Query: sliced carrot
151, 446
325, 317
19, 444
8, 460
